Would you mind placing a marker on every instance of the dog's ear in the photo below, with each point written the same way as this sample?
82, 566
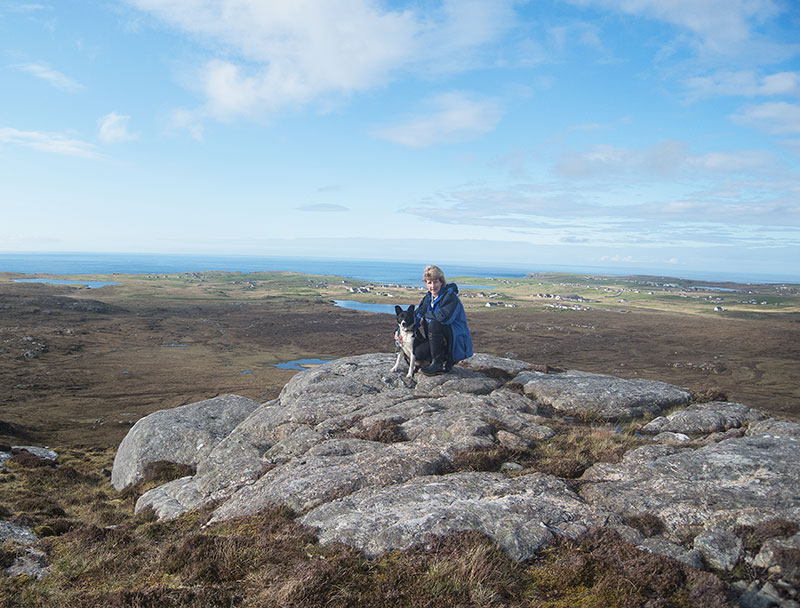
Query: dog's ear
410, 308
397, 310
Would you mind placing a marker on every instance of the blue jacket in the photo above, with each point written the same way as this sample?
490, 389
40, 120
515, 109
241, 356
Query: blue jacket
449, 311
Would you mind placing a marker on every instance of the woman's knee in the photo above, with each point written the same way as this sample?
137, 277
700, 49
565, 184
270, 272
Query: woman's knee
422, 350
435, 327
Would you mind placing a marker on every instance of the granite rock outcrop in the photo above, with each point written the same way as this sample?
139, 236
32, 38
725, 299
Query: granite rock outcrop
367, 459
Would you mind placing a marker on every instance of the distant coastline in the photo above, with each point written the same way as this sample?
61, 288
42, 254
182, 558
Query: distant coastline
381, 271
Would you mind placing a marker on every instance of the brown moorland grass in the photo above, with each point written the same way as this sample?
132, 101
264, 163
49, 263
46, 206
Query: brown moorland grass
103, 555
80, 366
600, 569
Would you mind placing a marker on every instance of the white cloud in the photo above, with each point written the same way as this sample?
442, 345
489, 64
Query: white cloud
745, 83
716, 195
113, 128
283, 53
600, 159
589, 126
453, 118
585, 35
13, 7
667, 157
774, 117
51, 76
618, 258
331, 188
742, 160
792, 145
187, 120
513, 162
49, 142
720, 25
286, 53
512, 208
448, 39
324, 208
782, 83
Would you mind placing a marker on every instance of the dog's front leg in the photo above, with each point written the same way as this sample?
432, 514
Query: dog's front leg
412, 361
396, 367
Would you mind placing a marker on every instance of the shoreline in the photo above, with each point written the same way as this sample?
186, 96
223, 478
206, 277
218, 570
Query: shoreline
88, 264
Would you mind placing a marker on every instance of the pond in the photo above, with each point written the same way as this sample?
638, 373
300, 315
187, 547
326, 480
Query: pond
387, 309
710, 288
301, 363
89, 284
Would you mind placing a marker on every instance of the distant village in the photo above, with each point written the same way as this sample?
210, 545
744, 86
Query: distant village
554, 301
566, 302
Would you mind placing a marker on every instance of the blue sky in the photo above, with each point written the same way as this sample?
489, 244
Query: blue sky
639, 134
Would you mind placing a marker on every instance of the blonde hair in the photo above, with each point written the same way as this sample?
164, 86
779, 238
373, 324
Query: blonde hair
432, 273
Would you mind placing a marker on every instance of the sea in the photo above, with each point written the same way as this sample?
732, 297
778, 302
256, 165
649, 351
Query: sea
378, 271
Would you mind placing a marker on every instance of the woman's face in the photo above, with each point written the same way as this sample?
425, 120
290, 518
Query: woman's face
434, 286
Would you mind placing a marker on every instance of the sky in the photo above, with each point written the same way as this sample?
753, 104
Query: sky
653, 135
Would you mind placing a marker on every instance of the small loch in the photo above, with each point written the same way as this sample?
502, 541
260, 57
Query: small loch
301, 363
89, 284
387, 309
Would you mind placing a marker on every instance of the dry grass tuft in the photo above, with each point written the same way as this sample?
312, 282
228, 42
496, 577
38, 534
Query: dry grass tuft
706, 395
569, 454
384, 431
7, 556
163, 471
484, 459
755, 536
471, 566
156, 473
30, 461
647, 523
602, 570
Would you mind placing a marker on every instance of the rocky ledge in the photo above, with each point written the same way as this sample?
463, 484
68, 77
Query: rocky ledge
372, 461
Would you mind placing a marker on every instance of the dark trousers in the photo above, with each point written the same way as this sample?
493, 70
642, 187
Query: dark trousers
434, 347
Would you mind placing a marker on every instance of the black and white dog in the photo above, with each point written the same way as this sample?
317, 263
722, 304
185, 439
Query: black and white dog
407, 334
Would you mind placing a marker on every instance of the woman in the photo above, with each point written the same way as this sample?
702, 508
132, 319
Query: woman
442, 320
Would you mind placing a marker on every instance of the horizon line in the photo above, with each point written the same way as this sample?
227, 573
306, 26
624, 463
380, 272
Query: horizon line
720, 276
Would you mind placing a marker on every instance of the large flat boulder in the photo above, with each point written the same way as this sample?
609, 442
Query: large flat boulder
369, 374
778, 428
521, 514
332, 471
495, 366
600, 397
703, 418
184, 435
